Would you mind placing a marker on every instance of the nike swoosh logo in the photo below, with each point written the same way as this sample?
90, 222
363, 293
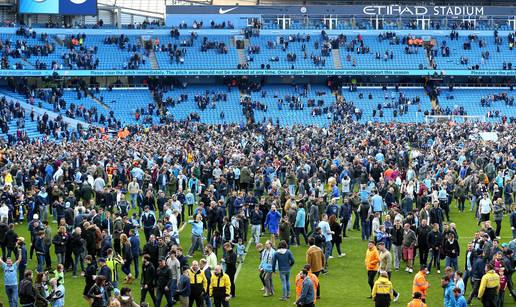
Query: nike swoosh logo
222, 11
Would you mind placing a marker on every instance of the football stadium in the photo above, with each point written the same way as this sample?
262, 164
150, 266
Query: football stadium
257, 153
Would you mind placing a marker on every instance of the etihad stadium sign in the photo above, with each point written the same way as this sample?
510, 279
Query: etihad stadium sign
418, 10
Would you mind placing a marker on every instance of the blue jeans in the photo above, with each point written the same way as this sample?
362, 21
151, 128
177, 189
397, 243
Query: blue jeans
136, 270
292, 189
366, 232
452, 262
285, 283
134, 198
77, 260
41, 262
173, 288
207, 300
159, 296
12, 295
473, 204
327, 253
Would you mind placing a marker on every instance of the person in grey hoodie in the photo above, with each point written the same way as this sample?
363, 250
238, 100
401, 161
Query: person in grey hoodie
283, 260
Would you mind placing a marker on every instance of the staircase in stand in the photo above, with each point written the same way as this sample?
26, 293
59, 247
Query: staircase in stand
242, 58
337, 61
435, 105
102, 104
153, 60
28, 63
58, 40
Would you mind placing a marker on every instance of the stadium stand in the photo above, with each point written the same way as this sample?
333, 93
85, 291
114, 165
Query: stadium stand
33, 49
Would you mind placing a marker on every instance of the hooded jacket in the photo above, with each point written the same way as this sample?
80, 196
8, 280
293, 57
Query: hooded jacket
283, 260
382, 286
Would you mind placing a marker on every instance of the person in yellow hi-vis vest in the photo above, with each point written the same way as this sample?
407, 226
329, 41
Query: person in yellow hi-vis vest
383, 292
489, 286
220, 287
198, 284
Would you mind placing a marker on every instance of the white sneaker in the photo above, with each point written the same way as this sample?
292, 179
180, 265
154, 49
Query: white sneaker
331, 257
438, 271
411, 271
406, 269
397, 297
342, 255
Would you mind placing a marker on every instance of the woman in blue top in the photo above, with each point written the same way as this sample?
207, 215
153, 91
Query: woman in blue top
266, 265
272, 221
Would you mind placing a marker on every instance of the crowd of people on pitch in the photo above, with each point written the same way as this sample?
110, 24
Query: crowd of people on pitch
100, 192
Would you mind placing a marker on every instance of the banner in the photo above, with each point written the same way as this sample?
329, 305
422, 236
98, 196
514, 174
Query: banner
393, 10
61, 7
241, 72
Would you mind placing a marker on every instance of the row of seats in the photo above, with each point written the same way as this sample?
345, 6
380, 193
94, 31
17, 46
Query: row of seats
470, 101
191, 55
216, 104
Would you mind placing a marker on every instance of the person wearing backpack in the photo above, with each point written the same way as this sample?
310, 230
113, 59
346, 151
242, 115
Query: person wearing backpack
27, 292
41, 292
99, 293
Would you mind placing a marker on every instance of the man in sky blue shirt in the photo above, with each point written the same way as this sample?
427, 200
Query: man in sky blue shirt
327, 233
197, 232
377, 204
11, 279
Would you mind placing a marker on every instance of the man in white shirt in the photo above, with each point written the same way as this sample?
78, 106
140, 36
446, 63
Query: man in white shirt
99, 184
484, 208
4, 212
211, 258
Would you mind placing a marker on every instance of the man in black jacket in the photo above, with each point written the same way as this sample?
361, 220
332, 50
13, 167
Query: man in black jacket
41, 250
163, 278
77, 248
451, 251
27, 292
436, 215
434, 245
148, 220
397, 242
256, 223
151, 249
422, 241
147, 280
212, 218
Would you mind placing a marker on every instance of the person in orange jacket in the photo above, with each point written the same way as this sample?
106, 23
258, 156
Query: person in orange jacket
372, 263
416, 301
420, 284
299, 281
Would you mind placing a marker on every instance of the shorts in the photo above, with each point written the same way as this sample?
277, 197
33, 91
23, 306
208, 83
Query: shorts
408, 253
484, 217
